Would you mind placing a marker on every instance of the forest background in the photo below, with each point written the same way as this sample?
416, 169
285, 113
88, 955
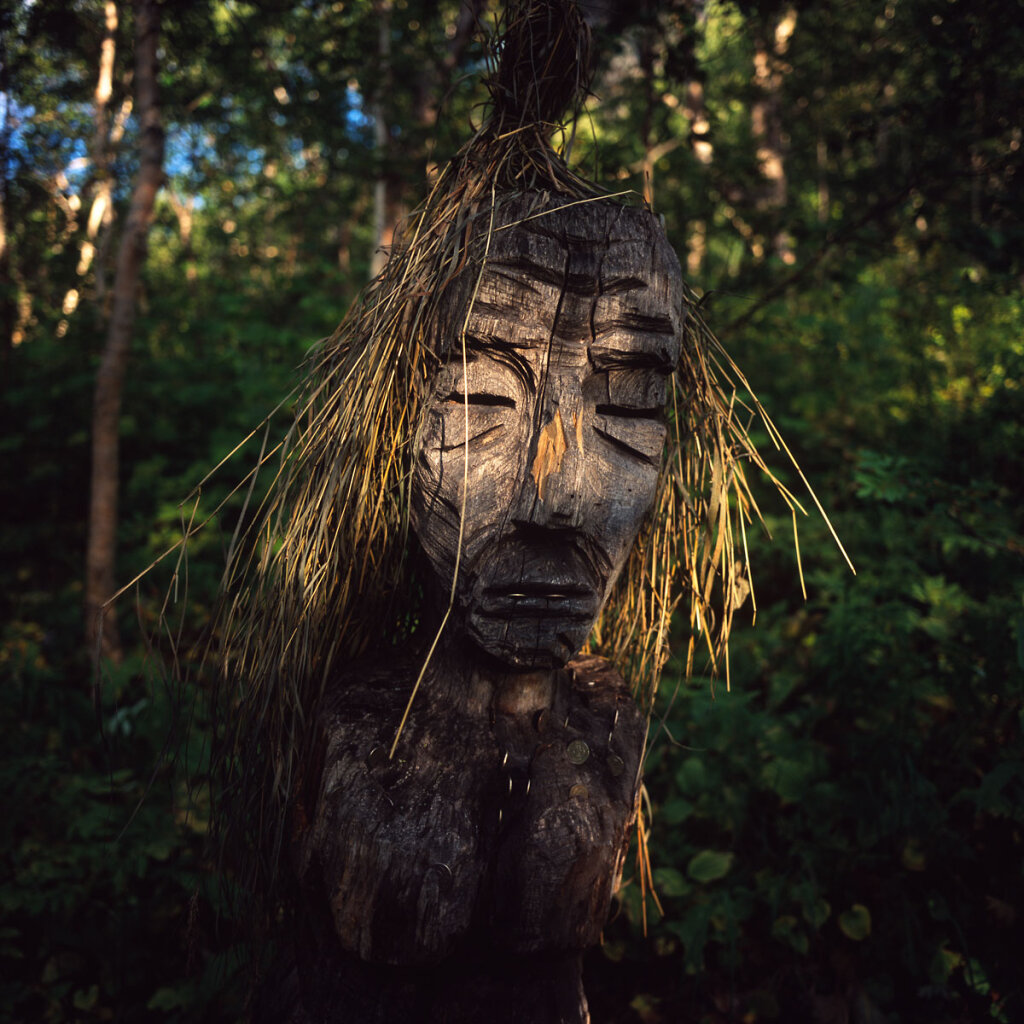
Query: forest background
839, 837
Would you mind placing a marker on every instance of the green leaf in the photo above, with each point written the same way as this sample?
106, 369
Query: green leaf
787, 929
167, 998
943, 964
86, 999
670, 882
614, 951
855, 923
976, 977
692, 776
676, 811
692, 930
709, 865
816, 913
789, 778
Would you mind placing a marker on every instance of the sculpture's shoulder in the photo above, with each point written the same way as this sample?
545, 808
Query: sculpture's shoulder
599, 673
358, 708
371, 686
596, 679
599, 688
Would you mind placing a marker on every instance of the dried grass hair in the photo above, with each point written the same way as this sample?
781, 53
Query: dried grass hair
325, 575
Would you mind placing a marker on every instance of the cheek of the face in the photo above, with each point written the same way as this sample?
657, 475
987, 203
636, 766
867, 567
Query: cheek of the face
539, 551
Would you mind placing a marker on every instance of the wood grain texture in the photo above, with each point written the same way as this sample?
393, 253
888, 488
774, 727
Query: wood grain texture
477, 864
101, 540
546, 421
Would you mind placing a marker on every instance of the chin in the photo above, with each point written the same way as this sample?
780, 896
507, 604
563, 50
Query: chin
528, 643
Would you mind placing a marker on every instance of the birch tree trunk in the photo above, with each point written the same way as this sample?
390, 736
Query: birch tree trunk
107, 133
100, 211
7, 289
101, 543
700, 132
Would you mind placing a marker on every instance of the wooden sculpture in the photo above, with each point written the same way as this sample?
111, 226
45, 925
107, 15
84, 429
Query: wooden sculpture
461, 879
512, 461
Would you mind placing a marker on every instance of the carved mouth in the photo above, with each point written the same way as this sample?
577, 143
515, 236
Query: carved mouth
565, 600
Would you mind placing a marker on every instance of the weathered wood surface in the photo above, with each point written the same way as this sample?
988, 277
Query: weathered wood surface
571, 332
461, 880
481, 860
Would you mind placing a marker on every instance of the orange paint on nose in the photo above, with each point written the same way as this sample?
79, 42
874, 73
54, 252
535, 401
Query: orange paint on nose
551, 446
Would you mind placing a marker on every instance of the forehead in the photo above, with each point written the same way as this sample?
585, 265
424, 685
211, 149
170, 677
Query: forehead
594, 273
584, 245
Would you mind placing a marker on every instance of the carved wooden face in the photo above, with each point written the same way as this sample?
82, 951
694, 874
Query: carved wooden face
552, 429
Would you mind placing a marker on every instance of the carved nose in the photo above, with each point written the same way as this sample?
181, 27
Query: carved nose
553, 494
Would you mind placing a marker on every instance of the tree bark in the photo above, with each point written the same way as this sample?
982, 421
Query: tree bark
700, 133
385, 214
100, 211
105, 134
8, 291
102, 535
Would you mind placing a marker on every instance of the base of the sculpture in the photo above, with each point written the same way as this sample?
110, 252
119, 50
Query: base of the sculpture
337, 988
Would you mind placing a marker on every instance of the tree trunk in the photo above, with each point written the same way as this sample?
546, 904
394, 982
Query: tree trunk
184, 211
8, 292
384, 212
646, 61
766, 123
821, 154
429, 87
100, 212
432, 84
700, 132
100, 153
102, 535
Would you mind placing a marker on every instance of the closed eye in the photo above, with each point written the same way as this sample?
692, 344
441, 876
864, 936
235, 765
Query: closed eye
482, 398
650, 453
629, 412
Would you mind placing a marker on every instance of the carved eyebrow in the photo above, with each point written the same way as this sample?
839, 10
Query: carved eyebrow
634, 322
501, 270
618, 285
503, 351
523, 271
608, 357
629, 339
484, 309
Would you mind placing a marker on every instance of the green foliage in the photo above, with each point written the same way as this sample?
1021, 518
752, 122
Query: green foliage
852, 809
838, 837
106, 900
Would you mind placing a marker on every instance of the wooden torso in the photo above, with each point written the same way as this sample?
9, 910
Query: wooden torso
493, 836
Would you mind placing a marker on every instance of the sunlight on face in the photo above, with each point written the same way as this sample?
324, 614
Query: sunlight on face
554, 423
